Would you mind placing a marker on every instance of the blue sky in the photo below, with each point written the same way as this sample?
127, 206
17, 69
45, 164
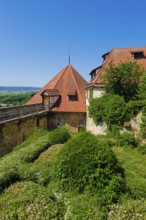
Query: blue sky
35, 36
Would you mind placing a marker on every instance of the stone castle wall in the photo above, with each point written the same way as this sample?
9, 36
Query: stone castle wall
15, 131
74, 121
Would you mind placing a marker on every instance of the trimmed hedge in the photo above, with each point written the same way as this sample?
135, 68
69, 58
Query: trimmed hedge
88, 164
22, 155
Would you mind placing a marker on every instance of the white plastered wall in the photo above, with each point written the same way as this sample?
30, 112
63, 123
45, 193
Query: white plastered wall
90, 125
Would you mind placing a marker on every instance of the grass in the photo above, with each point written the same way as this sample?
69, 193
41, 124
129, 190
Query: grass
30, 201
40, 170
134, 164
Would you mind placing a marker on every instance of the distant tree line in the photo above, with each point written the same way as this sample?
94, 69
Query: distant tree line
13, 99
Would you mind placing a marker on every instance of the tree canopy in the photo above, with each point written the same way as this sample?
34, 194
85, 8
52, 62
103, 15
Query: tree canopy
123, 79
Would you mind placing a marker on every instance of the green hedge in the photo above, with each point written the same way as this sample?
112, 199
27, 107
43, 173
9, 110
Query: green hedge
27, 152
88, 164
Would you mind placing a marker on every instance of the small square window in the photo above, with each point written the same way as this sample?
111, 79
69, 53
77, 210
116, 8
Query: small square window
71, 98
81, 122
138, 55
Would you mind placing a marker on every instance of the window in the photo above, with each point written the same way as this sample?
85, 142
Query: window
71, 98
93, 75
60, 122
138, 55
81, 122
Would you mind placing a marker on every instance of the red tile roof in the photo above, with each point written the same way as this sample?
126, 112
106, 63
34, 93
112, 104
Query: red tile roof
51, 92
68, 79
117, 55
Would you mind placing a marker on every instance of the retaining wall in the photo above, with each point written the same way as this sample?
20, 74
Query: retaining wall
15, 131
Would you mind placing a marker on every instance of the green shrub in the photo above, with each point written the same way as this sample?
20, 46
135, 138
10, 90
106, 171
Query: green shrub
124, 79
110, 109
88, 164
126, 139
59, 136
133, 107
7, 177
117, 138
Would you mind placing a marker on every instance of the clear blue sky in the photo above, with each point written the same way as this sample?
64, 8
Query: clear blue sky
35, 36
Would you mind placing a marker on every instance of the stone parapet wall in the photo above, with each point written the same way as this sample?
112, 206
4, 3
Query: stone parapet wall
20, 111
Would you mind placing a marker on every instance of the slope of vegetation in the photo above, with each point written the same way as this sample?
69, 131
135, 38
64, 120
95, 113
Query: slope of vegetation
86, 178
24, 154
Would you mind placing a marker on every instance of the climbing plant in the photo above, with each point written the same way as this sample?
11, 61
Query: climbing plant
110, 109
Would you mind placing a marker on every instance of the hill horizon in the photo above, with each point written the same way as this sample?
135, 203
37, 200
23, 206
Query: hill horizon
19, 89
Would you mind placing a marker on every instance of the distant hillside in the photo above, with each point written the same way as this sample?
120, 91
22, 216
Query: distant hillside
18, 89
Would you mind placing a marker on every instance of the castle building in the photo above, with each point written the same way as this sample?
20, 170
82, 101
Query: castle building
64, 97
95, 88
67, 95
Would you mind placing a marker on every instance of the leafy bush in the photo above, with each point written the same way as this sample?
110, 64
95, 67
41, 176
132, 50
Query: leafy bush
121, 139
7, 177
126, 139
123, 79
133, 107
59, 136
115, 109
30, 201
110, 109
88, 164
97, 108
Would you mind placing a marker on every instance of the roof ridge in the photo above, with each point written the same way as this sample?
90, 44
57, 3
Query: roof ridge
76, 81
94, 81
65, 68
127, 48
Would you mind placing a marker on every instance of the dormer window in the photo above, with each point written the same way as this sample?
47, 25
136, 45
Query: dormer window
71, 98
138, 55
72, 95
93, 75
94, 72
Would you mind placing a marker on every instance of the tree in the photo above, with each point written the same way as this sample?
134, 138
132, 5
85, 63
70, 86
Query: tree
123, 79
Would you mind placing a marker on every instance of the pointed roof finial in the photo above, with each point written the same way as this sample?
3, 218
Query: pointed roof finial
69, 55
69, 60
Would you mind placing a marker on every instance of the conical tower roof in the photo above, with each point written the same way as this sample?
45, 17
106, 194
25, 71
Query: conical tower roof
67, 81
